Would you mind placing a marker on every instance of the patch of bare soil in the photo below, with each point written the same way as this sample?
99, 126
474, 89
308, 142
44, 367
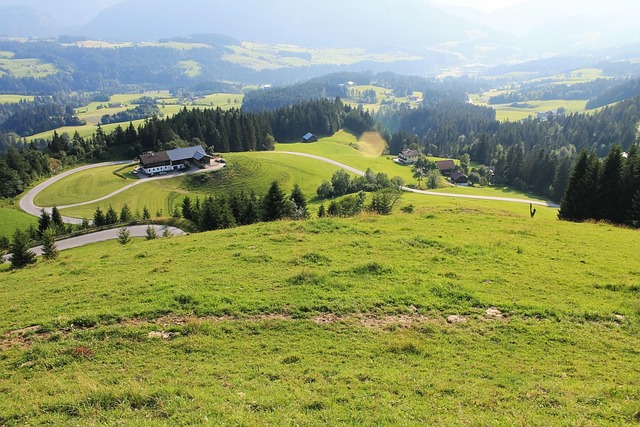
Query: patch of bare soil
22, 337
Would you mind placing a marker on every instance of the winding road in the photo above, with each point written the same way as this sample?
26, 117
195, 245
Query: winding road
429, 193
27, 202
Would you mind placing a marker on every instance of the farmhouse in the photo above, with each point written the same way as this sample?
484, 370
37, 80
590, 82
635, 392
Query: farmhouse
171, 160
459, 178
446, 167
309, 137
408, 156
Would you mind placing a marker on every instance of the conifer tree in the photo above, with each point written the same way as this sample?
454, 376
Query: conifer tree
187, 209
21, 255
125, 214
44, 221
98, 218
124, 236
111, 217
300, 210
49, 249
146, 215
609, 191
56, 219
633, 213
275, 205
151, 233
576, 204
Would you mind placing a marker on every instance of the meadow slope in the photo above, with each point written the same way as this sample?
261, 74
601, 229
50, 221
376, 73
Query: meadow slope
333, 321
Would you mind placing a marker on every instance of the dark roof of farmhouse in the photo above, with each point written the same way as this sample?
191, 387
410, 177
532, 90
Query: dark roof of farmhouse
445, 165
410, 153
153, 158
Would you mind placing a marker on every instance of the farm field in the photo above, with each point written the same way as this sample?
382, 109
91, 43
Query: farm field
14, 99
168, 106
333, 321
24, 67
269, 57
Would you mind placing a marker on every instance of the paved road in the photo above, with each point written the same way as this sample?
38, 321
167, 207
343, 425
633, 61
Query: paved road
430, 193
101, 236
27, 202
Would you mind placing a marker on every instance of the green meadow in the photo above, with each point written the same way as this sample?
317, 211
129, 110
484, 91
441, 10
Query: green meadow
12, 217
14, 99
24, 67
333, 321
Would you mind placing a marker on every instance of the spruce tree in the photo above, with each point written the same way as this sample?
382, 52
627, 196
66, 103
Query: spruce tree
609, 190
111, 216
633, 213
576, 203
98, 218
146, 215
300, 210
187, 209
275, 205
49, 249
56, 219
125, 214
21, 254
124, 236
151, 233
44, 221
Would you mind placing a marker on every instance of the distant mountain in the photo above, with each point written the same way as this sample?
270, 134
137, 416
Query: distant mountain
24, 21
402, 24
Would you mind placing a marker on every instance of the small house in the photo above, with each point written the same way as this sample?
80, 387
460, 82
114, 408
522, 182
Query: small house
459, 178
309, 137
408, 156
446, 167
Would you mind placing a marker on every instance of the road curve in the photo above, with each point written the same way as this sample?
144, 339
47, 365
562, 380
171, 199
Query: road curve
104, 235
430, 193
27, 201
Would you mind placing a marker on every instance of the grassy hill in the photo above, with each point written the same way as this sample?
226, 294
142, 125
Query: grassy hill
333, 321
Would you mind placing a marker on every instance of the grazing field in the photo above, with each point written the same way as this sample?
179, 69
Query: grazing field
11, 217
268, 57
14, 99
462, 313
20, 68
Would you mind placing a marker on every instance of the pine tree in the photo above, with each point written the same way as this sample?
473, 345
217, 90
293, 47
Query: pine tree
49, 249
146, 215
321, 211
274, 204
98, 218
633, 213
609, 189
124, 236
187, 210
576, 203
21, 255
151, 233
56, 219
111, 216
300, 210
44, 221
125, 214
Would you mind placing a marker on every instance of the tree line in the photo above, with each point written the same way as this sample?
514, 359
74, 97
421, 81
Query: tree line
604, 190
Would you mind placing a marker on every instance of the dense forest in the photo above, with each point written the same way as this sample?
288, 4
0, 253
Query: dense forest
604, 190
532, 155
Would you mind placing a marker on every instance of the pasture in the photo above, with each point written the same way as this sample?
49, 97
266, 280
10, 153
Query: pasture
14, 99
20, 68
11, 217
333, 321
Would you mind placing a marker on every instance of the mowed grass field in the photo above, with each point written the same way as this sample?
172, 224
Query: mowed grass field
333, 321
86, 185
